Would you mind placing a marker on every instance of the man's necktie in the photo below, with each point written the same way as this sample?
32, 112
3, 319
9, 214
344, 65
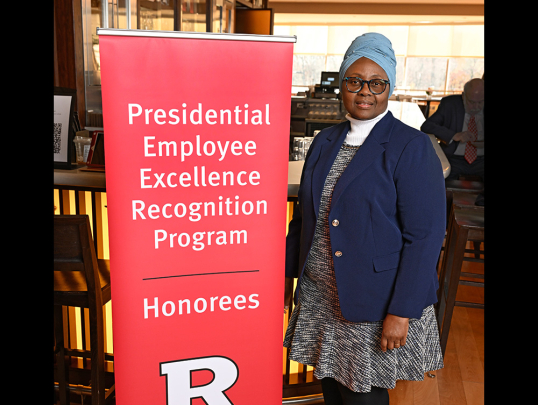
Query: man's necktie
470, 150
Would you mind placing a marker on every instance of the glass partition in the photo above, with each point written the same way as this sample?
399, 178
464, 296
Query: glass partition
104, 14
158, 15
193, 16
222, 15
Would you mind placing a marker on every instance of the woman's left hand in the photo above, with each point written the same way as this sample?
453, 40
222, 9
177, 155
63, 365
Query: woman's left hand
394, 332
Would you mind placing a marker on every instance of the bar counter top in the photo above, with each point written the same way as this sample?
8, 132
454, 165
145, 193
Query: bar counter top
77, 179
82, 180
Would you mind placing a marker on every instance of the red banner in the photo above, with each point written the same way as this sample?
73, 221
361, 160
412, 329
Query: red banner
196, 139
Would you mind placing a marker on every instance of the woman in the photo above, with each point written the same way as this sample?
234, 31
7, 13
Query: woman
364, 242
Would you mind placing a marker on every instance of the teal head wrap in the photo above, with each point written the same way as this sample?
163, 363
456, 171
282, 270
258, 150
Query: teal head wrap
375, 47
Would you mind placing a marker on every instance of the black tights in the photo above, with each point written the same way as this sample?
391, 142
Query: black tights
335, 393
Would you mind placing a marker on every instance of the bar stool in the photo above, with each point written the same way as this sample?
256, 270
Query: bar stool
462, 186
466, 224
468, 199
80, 280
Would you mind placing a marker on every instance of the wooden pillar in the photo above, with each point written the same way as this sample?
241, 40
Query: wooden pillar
69, 51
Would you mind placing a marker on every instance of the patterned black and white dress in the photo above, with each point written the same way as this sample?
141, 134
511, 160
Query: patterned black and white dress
318, 335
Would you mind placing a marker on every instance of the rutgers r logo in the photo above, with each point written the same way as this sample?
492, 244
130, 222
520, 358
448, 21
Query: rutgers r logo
179, 384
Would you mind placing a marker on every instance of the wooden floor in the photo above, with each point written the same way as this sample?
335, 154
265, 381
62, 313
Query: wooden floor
461, 381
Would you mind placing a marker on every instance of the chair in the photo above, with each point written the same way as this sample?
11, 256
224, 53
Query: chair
432, 109
466, 223
80, 280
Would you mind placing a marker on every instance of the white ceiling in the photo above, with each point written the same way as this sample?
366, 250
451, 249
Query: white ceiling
476, 2
373, 19
305, 18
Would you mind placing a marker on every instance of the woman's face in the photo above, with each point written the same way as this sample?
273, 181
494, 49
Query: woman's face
365, 105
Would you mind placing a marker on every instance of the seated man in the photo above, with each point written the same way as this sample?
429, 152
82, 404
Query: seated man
459, 124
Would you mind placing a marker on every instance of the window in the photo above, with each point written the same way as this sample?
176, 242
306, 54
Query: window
461, 69
307, 69
440, 56
421, 73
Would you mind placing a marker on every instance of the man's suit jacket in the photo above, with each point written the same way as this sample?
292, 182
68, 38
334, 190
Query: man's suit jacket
390, 205
446, 122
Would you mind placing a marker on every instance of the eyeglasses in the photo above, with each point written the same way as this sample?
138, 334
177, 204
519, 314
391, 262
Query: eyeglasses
376, 86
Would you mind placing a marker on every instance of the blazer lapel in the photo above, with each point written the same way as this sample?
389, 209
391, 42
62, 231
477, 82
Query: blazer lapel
365, 156
328, 151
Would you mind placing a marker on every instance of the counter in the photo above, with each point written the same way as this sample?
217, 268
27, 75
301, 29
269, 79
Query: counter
79, 180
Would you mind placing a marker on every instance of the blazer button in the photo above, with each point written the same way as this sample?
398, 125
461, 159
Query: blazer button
335, 222
338, 253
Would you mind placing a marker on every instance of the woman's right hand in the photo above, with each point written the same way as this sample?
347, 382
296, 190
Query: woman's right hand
288, 292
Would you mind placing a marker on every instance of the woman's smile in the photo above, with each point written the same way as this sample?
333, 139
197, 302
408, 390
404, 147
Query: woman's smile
364, 104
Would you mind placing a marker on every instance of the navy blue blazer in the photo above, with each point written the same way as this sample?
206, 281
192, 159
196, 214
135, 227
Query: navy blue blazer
446, 121
390, 206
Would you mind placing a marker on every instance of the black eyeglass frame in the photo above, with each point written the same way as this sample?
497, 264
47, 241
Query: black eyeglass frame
368, 82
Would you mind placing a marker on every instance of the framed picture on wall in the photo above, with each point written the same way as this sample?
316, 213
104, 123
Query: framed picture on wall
64, 102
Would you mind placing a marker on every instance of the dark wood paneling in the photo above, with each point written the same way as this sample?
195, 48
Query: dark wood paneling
68, 51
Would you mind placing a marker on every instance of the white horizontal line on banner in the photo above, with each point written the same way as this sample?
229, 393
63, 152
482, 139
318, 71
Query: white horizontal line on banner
195, 35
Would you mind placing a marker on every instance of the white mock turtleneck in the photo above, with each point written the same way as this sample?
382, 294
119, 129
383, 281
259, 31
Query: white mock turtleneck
360, 129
